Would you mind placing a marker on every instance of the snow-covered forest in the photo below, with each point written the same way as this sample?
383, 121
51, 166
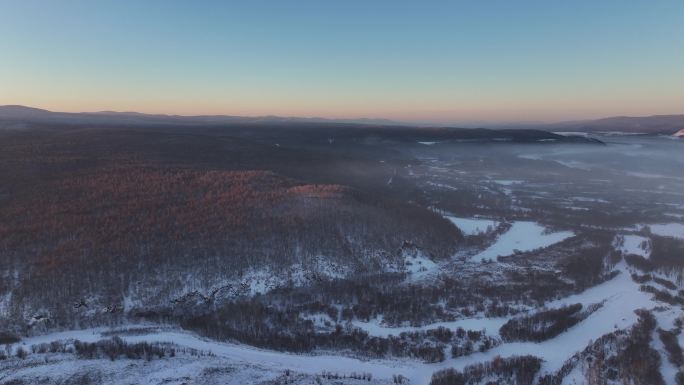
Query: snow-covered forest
339, 254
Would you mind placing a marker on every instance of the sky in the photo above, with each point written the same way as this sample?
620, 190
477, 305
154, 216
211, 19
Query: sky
422, 61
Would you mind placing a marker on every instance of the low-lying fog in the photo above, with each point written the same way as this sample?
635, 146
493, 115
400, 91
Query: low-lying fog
631, 179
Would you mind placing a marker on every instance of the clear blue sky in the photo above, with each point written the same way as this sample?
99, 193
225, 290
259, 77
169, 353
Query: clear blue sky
442, 61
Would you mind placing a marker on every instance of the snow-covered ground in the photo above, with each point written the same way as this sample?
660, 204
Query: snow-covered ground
522, 236
473, 226
633, 244
507, 182
575, 377
675, 230
572, 133
667, 369
182, 369
238, 354
589, 199
490, 325
666, 320
620, 297
419, 266
258, 280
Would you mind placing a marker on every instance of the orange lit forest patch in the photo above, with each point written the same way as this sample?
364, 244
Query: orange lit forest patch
115, 209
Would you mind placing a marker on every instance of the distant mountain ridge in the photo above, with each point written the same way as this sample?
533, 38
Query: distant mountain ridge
13, 110
655, 124
37, 115
282, 130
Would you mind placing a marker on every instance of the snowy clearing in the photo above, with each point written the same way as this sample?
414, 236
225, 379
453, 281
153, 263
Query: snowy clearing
675, 230
507, 182
419, 266
633, 244
522, 236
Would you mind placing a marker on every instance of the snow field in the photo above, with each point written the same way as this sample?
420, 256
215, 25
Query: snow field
633, 244
522, 236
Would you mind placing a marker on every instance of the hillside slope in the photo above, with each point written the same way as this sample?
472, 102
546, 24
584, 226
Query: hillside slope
100, 221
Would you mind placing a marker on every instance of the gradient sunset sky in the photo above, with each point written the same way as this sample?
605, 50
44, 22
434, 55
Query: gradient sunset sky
428, 61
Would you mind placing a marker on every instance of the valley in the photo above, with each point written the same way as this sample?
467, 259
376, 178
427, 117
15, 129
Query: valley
292, 255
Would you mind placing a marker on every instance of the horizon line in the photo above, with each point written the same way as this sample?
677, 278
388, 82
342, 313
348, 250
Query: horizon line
333, 119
